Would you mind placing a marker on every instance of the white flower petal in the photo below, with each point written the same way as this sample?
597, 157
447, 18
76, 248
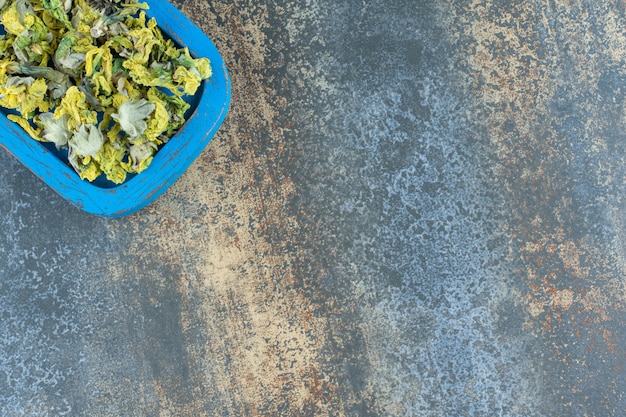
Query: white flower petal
132, 117
139, 153
86, 143
55, 130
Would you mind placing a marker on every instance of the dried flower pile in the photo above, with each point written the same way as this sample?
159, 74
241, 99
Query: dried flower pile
97, 79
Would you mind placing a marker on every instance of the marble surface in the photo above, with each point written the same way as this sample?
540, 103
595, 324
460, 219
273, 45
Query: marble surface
413, 208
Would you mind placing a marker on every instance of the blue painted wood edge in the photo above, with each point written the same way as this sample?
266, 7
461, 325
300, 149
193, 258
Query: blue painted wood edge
168, 164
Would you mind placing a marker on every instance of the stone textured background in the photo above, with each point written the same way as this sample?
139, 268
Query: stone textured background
414, 208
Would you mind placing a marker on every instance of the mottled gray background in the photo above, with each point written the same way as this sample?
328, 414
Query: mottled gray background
414, 208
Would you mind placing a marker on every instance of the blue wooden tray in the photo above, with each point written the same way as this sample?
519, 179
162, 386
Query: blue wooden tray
208, 110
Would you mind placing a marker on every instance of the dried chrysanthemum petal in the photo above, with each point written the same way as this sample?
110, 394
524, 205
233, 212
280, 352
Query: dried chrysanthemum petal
13, 91
33, 70
35, 98
57, 10
24, 94
11, 19
111, 158
176, 109
86, 141
132, 116
74, 104
55, 129
25, 124
158, 121
140, 157
86, 167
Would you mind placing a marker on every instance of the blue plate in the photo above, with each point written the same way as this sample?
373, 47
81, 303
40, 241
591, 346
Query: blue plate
208, 110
